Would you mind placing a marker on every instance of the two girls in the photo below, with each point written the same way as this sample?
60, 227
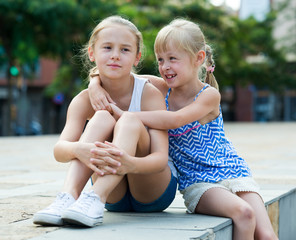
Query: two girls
212, 177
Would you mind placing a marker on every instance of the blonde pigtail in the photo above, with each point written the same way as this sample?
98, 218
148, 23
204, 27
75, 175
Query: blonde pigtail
210, 67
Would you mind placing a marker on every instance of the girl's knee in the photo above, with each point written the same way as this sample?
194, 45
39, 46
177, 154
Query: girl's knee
129, 116
130, 121
102, 114
245, 213
103, 117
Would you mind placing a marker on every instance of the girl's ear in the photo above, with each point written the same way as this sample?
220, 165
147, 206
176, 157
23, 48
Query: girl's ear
200, 57
138, 57
91, 54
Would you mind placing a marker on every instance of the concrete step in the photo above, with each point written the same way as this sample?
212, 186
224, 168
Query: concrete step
281, 208
175, 223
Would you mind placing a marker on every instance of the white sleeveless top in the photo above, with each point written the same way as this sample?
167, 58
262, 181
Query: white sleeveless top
135, 104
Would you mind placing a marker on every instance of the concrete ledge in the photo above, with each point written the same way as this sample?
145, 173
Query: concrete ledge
175, 223
282, 210
168, 225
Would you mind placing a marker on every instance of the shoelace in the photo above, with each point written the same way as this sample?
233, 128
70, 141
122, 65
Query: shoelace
86, 201
60, 201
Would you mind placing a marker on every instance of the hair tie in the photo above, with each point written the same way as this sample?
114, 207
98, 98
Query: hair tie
211, 68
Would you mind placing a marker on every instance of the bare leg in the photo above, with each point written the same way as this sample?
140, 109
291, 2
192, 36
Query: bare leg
126, 127
221, 202
263, 228
99, 128
148, 188
131, 135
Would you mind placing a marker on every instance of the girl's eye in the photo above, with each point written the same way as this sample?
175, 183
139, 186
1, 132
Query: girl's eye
172, 58
107, 47
125, 50
160, 60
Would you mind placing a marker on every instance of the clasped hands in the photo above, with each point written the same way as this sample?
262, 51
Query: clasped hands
108, 159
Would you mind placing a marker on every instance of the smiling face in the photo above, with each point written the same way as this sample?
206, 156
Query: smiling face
180, 51
115, 51
175, 66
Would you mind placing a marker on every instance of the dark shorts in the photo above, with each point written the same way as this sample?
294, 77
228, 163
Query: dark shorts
129, 204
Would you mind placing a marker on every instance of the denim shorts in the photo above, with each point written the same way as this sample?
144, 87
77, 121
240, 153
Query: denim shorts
129, 204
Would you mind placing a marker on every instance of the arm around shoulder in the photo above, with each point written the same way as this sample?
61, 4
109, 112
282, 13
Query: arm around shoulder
156, 161
99, 98
158, 82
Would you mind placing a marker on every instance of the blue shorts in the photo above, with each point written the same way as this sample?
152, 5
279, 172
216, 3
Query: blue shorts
129, 204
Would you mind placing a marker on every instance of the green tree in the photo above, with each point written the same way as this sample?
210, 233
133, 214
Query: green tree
232, 39
30, 29
72, 75
59, 29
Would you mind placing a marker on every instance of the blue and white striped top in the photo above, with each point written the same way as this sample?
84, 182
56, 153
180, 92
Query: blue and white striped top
202, 153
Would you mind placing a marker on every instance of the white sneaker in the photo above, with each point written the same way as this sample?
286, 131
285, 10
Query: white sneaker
88, 210
52, 214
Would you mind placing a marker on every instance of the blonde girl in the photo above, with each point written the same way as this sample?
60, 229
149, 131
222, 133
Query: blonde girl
212, 177
145, 182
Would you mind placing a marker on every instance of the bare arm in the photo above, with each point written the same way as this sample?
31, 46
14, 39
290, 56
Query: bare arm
78, 112
157, 160
154, 162
99, 98
158, 82
205, 109
119, 162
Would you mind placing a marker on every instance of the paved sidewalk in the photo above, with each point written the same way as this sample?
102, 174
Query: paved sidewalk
30, 177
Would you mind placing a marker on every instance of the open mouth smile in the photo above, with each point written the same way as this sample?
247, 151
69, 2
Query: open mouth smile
170, 76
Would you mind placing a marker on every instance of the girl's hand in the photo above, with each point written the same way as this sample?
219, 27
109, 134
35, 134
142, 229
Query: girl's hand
99, 98
115, 159
116, 111
103, 160
83, 153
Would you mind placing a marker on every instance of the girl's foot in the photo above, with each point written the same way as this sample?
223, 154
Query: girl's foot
88, 210
52, 214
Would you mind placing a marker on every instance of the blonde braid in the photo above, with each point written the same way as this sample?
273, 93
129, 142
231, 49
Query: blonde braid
210, 66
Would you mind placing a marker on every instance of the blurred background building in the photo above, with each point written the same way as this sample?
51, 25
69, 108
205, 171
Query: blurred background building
25, 109
31, 111
262, 104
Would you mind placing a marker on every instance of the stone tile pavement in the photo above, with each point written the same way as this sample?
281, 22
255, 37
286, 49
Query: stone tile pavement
30, 177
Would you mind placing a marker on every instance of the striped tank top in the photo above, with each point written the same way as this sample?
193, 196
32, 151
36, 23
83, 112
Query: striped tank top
202, 153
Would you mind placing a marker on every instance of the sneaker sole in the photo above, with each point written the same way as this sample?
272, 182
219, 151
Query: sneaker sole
77, 218
46, 219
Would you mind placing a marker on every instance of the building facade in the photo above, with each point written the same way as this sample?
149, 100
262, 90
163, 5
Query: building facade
263, 105
31, 112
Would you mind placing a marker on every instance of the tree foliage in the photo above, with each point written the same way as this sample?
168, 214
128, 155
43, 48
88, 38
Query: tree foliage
51, 28
232, 39
59, 28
